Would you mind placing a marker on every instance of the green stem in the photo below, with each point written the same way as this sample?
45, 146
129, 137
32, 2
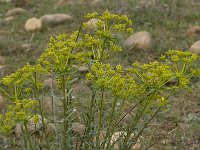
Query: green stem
183, 69
64, 100
54, 115
16, 92
110, 128
132, 126
134, 107
100, 119
35, 95
87, 138
145, 125
28, 137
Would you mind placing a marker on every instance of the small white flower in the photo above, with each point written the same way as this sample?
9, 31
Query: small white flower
118, 104
73, 97
74, 110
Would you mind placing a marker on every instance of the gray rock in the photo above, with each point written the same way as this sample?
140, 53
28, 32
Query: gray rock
193, 31
78, 128
83, 69
3, 104
8, 19
33, 24
92, 23
14, 11
195, 48
55, 19
140, 40
6, 1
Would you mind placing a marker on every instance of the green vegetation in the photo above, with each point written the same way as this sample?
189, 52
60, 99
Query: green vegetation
175, 127
111, 89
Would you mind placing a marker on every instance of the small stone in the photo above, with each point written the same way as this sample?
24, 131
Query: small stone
195, 48
18, 130
83, 69
95, 2
193, 31
140, 40
197, 85
6, 1
31, 126
55, 19
3, 104
182, 125
120, 135
137, 146
47, 104
50, 83
78, 128
26, 46
14, 11
117, 135
2, 67
33, 24
71, 2
2, 60
51, 127
77, 88
92, 23
8, 19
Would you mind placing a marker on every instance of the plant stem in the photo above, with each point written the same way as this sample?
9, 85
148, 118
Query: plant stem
100, 119
34, 97
64, 100
110, 128
132, 126
40, 107
28, 137
54, 115
134, 107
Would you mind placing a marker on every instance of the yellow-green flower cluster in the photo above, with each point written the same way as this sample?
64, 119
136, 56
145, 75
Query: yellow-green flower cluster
59, 53
19, 112
195, 72
113, 21
22, 75
103, 42
22, 81
19, 76
116, 80
185, 57
154, 74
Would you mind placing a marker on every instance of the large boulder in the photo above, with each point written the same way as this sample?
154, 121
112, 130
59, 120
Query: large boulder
195, 48
33, 24
140, 40
193, 31
55, 19
14, 11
